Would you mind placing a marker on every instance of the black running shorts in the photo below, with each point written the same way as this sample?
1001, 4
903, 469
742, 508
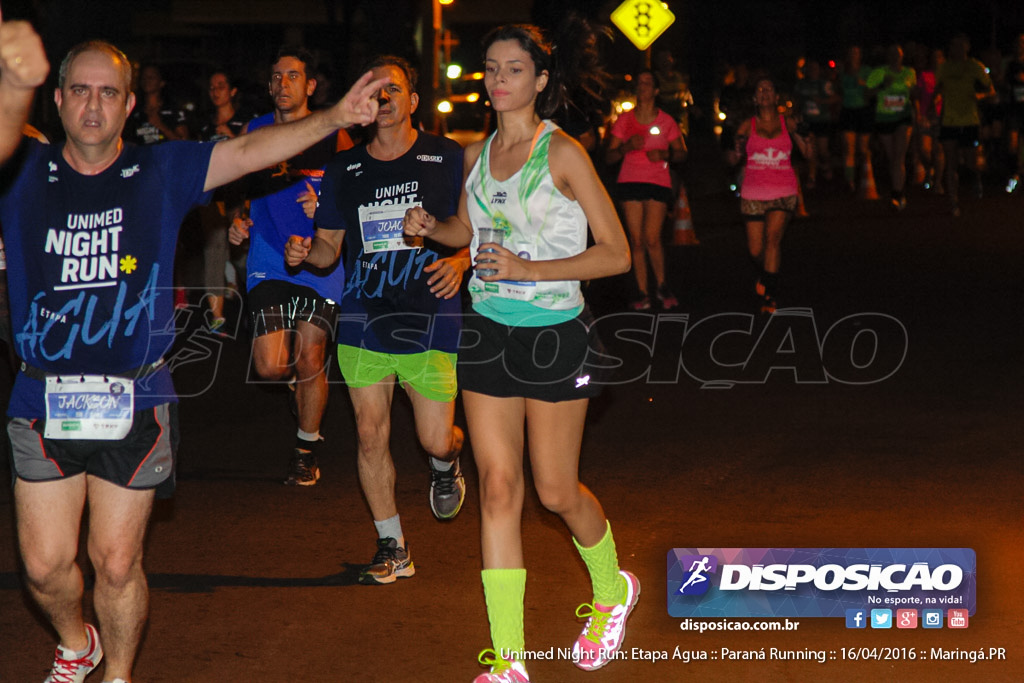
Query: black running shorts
553, 363
277, 305
144, 459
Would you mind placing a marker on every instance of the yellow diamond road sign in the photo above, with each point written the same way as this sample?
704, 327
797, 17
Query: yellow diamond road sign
643, 20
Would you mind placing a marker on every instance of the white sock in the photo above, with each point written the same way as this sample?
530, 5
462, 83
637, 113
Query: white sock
390, 528
308, 436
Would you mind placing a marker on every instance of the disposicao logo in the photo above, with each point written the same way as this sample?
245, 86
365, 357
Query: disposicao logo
696, 580
818, 582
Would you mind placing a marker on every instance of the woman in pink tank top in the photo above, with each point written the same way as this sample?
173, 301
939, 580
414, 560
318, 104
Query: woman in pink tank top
645, 140
769, 193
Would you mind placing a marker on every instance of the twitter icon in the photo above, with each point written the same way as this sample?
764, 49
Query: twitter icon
881, 618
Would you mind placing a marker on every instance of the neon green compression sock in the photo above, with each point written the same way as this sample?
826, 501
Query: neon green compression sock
603, 564
504, 591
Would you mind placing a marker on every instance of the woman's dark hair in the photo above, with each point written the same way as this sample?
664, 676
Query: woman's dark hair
573, 65
223, 72
536, 44
641, 72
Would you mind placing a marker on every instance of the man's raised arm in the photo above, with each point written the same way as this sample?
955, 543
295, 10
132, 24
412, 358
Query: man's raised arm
269, 145
23, 67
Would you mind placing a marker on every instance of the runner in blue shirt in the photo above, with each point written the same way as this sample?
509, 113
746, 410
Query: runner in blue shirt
90, 228
293, 310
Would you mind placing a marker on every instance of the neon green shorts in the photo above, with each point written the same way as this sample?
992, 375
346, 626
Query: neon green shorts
431, 373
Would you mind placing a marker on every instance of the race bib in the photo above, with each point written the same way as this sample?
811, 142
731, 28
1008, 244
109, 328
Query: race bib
508, 289
381, 228
1018, 93
91, 407
512, 289
894, 103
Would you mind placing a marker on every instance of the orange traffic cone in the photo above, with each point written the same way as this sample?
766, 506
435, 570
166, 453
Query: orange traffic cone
867, 183
683, 234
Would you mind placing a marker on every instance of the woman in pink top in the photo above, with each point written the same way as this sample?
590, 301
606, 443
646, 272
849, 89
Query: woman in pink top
645, 140
928, 153
769, 193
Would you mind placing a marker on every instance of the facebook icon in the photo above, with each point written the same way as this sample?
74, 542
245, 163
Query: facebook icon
856, 618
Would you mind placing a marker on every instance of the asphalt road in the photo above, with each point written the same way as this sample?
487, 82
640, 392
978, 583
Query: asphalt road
761, 440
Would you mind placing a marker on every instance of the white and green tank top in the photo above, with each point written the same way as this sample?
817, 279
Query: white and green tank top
540, 223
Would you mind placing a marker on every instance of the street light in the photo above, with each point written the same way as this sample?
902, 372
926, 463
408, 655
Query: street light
435, 60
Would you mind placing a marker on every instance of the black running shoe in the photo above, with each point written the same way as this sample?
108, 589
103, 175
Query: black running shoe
390, 563
302, 469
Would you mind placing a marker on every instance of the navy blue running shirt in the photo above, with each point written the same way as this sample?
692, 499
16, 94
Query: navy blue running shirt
90, 262
387, 305
276, 216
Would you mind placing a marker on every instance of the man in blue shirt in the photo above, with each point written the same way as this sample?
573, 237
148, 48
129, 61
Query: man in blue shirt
293, 310
90, 228
400, 313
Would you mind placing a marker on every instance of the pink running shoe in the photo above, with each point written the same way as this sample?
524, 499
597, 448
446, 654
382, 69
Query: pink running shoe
666, 297
502, 670
68, 667
606, 628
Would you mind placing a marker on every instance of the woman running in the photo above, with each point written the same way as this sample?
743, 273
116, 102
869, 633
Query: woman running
645, 139
895, 89
538, 187
769, 193
855, 123
224, 123
929, 152
815, 97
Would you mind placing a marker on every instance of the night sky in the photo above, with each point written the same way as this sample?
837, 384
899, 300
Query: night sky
770, 34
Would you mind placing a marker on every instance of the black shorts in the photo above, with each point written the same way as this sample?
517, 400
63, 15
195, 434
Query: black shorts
822, 129
553, 363
859, 120
144, 459
639, 192
965, 136
277, 305
890, 127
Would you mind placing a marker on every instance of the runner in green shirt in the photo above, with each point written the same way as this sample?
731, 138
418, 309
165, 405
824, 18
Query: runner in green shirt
895, 89
961, 82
